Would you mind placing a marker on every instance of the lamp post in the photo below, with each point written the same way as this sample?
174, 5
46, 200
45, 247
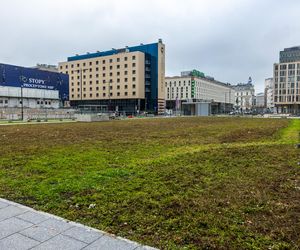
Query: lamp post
22, 105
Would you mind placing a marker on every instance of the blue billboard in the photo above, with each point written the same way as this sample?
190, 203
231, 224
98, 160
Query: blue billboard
15, 76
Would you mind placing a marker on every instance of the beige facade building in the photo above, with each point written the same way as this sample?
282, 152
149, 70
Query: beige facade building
127, 80
194, 86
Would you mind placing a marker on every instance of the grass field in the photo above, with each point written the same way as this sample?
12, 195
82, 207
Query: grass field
182, 183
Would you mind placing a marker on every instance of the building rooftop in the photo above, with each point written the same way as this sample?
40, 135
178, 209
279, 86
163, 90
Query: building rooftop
113, 51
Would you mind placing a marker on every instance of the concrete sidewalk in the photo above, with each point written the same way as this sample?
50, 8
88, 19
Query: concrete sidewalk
23, 228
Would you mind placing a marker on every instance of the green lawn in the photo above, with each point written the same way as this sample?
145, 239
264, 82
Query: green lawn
182, 183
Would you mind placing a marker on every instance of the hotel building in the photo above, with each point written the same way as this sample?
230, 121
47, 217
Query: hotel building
193, 86
126, 80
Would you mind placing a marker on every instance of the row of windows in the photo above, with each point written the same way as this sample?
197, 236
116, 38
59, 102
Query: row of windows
104, 81
91, 95
103, 75
97, 69
37, 102
104, 88
97, 62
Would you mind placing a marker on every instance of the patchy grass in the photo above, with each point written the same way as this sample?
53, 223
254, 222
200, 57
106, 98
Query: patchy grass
185, 183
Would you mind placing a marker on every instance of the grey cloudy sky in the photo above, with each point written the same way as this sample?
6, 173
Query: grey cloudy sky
228, 39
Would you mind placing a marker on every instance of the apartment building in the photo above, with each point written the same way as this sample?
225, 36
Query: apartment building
194, 86
244, 96
269, 98
287, 82
127, 80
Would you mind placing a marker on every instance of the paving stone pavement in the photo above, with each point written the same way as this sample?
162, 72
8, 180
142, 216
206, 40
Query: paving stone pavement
23, 228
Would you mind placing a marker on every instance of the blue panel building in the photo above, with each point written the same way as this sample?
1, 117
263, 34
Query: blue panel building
36, 85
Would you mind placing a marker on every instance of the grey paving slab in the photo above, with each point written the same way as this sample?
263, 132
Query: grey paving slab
25, 228
56, 224
111, 243
3, 204
11, 226
39, 233
83, 234
17, 242
61, 242
10, 211
33, 217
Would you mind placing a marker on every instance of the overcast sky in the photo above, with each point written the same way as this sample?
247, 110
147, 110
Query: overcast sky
227, 39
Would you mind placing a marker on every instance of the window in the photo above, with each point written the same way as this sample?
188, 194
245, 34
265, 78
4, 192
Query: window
103, 68
118, 66
103, 62
118, 59
133, 93
110, 60
118, 73
97, 62
97, 88
91, 63
104, 94
118, 86
110, 74
125, 72
103, 74
133, 65
67, 66
133, 57
91, 76
126, 86
83, 64
91, 95
126, 93
126, 79
125, 66
110, 87
125, 58
133, 72
91, 89
84, 95
110, 67
104, 88
110, 94
133, 79
90, 70
133, 86
118, 80
118, 94
97, 94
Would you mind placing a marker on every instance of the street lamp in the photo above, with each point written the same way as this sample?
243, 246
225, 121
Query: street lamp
22, 105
